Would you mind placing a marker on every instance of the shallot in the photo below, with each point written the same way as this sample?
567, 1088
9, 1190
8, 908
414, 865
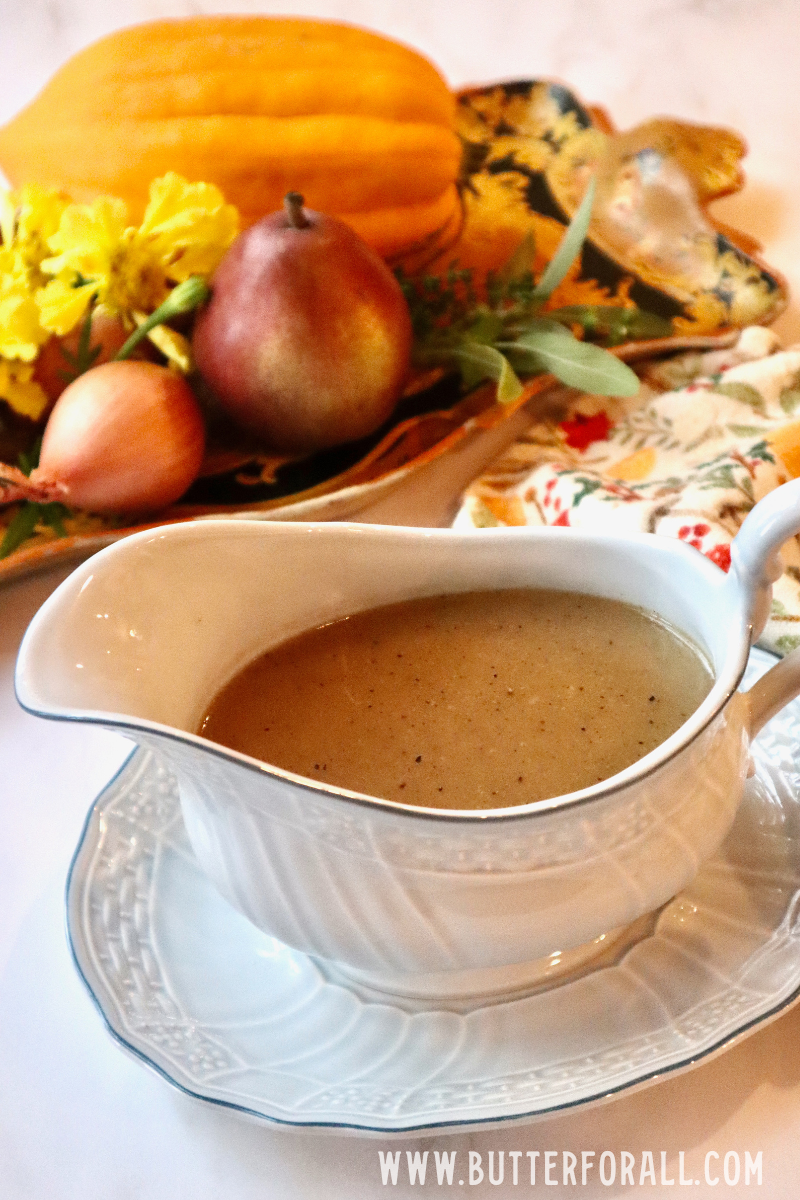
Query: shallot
125, 437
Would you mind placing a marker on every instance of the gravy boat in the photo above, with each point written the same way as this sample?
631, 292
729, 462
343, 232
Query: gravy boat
427, 904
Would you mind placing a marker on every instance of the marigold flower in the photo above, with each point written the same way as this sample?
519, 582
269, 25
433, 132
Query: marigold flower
20, 389
27, 219
188, 226
58, 259
21, 334
185, 231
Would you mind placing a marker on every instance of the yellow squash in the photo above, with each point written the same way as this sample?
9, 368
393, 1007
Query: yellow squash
362, 126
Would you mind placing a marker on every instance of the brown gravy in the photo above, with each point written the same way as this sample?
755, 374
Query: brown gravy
476, 700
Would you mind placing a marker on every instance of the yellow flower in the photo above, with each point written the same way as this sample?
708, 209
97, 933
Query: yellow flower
58, 258
90, 238
173, 345
188, 226
8, 218
21, 334
185, 231
27, 219
61, 307
21, 390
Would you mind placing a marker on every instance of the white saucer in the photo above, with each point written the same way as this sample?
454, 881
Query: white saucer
232, 1016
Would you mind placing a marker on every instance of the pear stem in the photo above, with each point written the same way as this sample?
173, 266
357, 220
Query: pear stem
293, 207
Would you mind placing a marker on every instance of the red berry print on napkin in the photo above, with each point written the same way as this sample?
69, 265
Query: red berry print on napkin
580, 431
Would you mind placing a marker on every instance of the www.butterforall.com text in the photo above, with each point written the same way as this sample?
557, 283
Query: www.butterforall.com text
553, 1168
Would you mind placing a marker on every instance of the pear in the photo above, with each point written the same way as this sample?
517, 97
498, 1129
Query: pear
306, 339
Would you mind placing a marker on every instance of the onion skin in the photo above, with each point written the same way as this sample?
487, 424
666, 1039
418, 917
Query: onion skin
123, 438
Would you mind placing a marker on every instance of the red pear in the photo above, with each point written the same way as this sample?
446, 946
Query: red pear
306, 339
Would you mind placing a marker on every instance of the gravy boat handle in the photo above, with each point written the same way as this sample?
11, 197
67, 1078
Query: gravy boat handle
755, 565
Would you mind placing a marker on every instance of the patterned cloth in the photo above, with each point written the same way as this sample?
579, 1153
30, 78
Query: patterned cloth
687, 462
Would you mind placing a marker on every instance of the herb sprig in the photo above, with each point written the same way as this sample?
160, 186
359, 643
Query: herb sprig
85, 355
32, 513
505, 336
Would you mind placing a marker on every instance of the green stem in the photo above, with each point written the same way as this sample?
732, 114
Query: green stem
182, 299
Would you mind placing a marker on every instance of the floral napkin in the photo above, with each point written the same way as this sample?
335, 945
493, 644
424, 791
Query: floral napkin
706, 437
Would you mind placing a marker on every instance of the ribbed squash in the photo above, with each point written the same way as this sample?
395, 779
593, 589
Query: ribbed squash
360, 125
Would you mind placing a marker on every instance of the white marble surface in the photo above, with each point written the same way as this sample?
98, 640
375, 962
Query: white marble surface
77, 1118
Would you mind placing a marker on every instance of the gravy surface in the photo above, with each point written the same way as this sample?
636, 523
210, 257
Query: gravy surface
474, 700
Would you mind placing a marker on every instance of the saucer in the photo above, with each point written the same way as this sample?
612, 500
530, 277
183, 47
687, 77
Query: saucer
230, 1015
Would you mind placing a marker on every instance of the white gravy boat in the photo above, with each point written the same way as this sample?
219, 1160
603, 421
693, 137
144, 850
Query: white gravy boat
421, 903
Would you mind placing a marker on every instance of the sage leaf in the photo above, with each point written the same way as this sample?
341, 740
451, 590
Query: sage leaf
486, 328
579, 364
568, 249
612, 323
478, 362
534, 325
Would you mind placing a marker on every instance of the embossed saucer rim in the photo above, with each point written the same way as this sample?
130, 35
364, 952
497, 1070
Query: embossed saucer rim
80, 875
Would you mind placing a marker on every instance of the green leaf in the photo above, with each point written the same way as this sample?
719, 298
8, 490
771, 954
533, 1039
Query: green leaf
534, 325
790, 400
613, 323
30, 459
20, 527
486, 328
745, 430
53, 514
745, 393
569, 248
761, 451
86, 355
579, 364
587, 488
484, 362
